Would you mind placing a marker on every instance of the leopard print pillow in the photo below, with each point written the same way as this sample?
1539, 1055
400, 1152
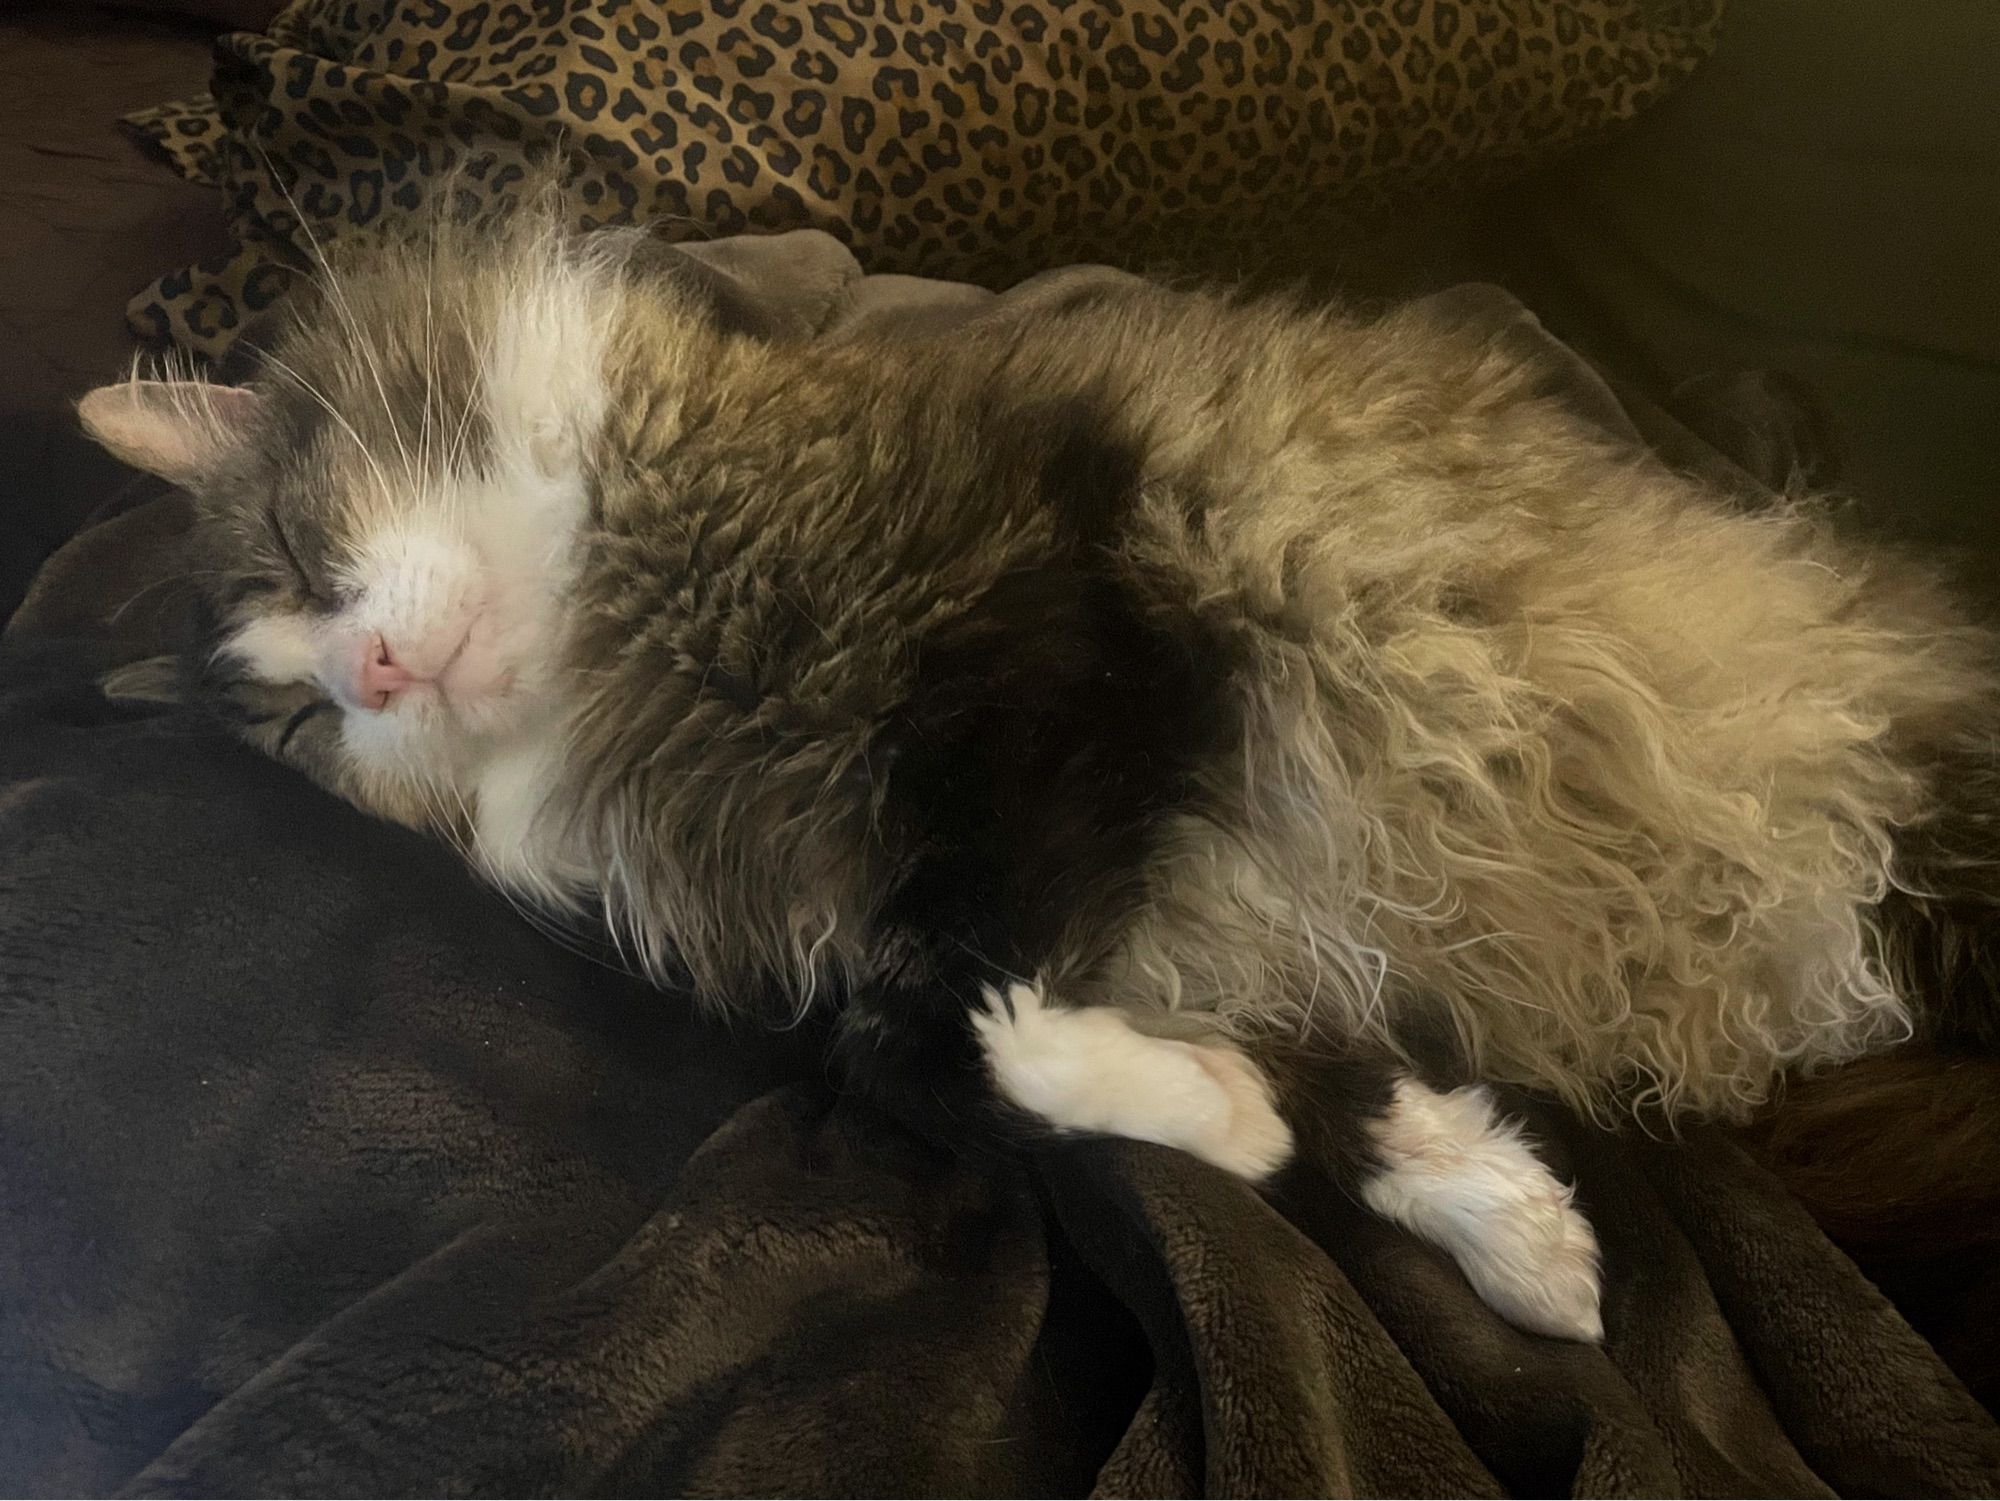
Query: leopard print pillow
974, 139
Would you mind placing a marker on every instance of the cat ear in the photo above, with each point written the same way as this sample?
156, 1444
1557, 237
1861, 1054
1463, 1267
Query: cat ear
151, 680
177, 429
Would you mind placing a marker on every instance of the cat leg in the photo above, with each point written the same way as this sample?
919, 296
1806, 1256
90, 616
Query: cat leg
1089, 1069
1452, 1171
1444, 1166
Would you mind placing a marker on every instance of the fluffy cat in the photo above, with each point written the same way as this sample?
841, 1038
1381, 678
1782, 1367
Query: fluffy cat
1149, 711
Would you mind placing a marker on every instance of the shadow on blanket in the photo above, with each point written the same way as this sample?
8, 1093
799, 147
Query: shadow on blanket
324, 1173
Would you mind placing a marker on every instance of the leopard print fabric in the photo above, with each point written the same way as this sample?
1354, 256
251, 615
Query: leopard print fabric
973, 139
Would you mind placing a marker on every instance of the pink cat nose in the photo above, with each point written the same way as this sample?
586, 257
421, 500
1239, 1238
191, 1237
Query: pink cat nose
381, 677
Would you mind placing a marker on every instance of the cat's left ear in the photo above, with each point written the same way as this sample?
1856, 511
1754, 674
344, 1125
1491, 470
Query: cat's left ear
152, 680
178, 429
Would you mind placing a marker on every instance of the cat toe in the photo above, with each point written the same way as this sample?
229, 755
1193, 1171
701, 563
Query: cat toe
1538, 1267
1253, 1140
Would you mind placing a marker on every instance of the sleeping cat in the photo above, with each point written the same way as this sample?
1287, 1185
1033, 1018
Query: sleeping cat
1147, 713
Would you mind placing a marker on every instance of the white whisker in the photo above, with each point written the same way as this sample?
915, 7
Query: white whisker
345, 310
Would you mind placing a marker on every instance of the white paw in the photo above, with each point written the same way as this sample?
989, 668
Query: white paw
1536, 1264
1462, 1178
1089, 1069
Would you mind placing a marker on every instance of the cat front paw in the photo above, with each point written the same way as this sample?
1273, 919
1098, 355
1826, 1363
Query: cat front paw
1088, 1069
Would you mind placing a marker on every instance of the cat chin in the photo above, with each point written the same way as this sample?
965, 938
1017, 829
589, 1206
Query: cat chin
424, 747
515, 839
479, 687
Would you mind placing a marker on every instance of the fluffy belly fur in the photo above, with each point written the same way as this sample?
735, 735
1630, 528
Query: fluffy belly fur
1613, 796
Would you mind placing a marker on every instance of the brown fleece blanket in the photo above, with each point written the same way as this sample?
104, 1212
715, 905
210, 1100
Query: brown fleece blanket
322, 1173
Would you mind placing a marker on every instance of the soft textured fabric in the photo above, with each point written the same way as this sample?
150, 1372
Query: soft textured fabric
968, 138
321, 1172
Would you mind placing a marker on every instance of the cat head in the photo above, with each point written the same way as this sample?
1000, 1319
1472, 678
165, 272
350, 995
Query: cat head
387, 510
848, 751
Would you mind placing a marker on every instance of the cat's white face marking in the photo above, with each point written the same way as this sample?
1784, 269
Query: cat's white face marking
448, 628
281, 647
451, 574
515, 846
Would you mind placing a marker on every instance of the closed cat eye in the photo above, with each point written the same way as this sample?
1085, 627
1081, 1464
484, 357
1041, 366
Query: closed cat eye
304, 580
242, 590
301, 717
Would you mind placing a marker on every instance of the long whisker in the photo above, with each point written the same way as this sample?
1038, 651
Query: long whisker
343, 307
483, 341
429, 373
367, 453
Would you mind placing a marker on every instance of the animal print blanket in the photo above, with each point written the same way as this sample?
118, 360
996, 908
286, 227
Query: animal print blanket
321, 1173
938, 137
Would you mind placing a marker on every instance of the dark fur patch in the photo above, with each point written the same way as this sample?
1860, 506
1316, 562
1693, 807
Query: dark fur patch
1050, 728
1087, 477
